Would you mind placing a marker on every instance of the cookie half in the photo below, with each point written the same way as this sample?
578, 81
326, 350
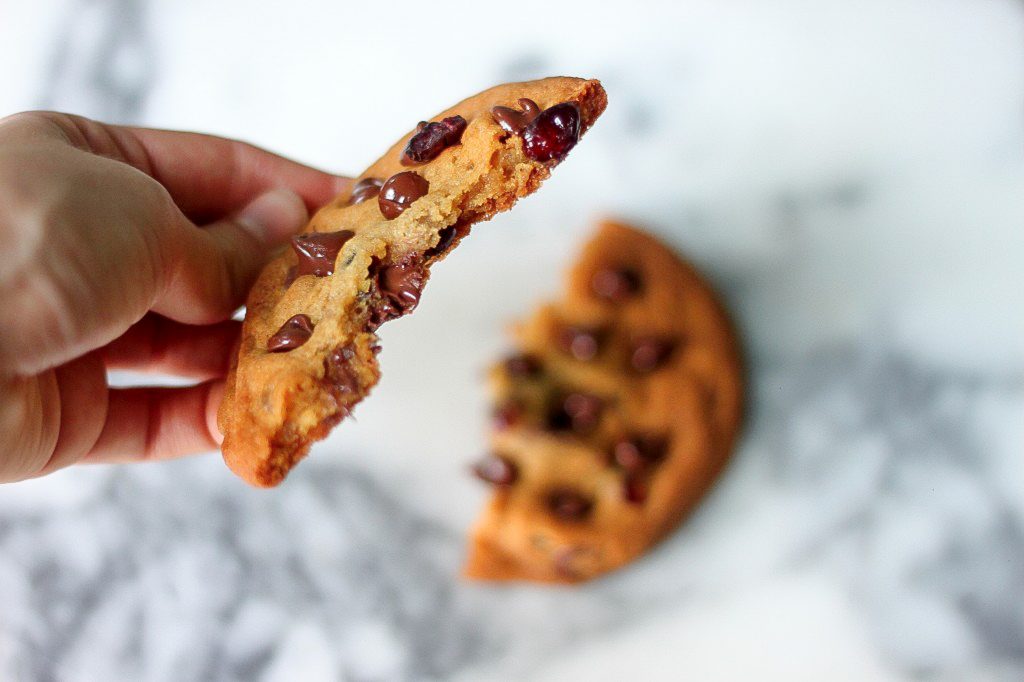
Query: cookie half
612, 418
308, 349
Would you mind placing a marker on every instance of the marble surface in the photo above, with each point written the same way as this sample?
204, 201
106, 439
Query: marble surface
849, 174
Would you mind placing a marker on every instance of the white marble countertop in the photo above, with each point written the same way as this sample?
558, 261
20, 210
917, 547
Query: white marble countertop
849, 173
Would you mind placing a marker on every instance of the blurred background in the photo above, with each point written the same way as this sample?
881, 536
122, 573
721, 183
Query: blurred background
849, 174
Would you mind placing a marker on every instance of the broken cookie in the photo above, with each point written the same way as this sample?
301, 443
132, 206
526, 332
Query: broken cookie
308, 348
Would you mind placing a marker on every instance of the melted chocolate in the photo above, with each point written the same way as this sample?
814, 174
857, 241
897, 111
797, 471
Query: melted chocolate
317, 251
400, 191
512, 120
399, 287
445, 238
292, 334
367, 188
530, 108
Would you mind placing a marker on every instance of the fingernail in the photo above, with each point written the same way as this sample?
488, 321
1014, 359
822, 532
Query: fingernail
213, 401
274, 216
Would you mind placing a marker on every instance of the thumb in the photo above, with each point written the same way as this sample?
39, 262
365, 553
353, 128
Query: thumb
213, 268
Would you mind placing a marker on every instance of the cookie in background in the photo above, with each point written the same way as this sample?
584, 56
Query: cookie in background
616, 412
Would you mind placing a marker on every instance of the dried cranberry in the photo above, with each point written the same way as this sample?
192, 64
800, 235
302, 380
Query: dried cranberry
650, 352
400, 191
634, 489
638, 452
582, 343
432, 139
579, 412
569, 505
523, 365
496, 470
292, 334
626, 453
507, 415
554, 132
615, 284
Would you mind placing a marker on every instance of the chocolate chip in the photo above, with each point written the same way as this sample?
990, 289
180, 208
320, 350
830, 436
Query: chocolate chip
616, 284
496, 470
530, 108
554, 132
523, 365
635, 453
317, 251
445, 238
634, 489
367, 188
569, 505
650, 352
338, 373
399, 287
292, 334
582, 343
579, 412
433, 138
403, 284
512, 120
400, 191
506, 415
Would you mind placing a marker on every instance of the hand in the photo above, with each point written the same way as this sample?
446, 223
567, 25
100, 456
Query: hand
103, 266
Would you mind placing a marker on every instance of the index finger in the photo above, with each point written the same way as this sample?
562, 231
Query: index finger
210, 177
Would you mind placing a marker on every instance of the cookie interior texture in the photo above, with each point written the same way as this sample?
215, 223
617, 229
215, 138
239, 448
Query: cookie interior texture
308, 348
615, 413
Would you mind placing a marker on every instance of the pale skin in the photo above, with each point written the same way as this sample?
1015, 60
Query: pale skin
128, 248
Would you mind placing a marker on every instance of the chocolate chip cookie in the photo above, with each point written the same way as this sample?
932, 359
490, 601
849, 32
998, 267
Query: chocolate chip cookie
308, 348
613, 416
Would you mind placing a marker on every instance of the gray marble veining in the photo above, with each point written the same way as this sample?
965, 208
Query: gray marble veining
871, 525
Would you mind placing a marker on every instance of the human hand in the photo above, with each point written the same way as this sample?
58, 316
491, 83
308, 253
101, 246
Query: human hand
103, 266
